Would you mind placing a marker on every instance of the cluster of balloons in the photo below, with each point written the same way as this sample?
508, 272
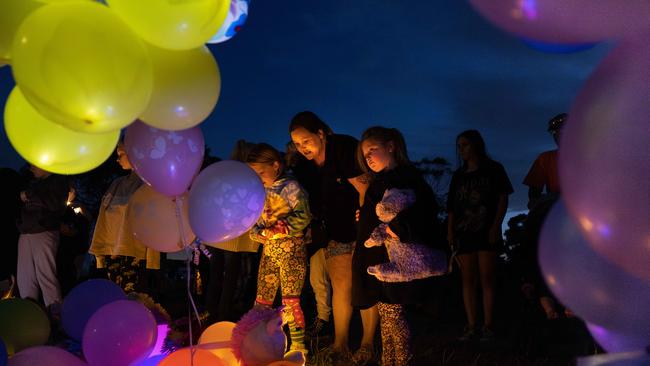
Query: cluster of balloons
85, 69
595, 245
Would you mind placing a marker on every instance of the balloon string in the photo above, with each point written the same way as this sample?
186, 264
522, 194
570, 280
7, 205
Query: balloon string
191, 305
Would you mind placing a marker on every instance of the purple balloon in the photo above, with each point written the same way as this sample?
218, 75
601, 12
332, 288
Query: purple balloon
597, 290
226, 199
82, 302
119, 334
166, 160
604, 158
626, 340
562, 21
45, 355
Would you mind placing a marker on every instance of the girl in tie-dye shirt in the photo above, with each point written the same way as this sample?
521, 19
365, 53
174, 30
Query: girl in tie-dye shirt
280, 229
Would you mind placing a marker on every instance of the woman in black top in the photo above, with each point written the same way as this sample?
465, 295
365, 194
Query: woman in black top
477, 203
383, 152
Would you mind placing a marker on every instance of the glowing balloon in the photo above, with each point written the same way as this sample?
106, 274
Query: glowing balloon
23, 324
226, 199
216, 339
166, 160
595, 289
84, 300
185, 357
627, 340
12, 15
45, 355
51, 146
604, 157
186, 86
173, 24
82, 67
120, 333
153, 217
235, 19
562, 21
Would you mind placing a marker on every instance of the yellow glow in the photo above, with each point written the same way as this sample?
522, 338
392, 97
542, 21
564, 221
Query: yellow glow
45, 159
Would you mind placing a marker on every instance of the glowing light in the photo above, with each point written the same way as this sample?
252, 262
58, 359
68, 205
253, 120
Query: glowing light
160, 340
83, 149
604, 230
529, 8
77, 210
551, 280
45, 159
586, 224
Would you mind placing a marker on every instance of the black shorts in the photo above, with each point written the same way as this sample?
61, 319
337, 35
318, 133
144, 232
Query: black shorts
477, 246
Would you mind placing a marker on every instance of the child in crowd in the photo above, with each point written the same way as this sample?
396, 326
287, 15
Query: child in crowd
280, 229
382, 151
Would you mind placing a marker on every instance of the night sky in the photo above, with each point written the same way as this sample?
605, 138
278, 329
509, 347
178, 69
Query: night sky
431, 68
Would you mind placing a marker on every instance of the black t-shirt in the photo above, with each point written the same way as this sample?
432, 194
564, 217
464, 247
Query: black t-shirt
332, 199
473, 199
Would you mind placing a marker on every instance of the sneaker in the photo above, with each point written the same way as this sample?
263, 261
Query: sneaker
319, 328
364, 355
332, 357
469, 334
487, 335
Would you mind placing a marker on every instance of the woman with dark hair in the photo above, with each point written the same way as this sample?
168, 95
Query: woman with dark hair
337, 188
477, 203
382, 151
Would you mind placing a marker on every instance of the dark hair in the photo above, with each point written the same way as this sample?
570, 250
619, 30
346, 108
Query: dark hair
478, 145
264, 154
384, 135
310, 122
241, 149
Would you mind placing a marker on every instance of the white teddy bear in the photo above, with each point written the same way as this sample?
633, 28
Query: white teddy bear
408, 261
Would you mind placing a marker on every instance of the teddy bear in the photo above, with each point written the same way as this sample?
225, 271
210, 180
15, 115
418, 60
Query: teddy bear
407, 261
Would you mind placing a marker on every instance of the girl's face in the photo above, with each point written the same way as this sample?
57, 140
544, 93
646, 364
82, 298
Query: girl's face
268, 173
465, 149
379, 156
122, 159
309, 144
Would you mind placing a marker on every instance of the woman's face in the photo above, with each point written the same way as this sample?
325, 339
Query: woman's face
268, 173
465, 149
309, 144
379, 156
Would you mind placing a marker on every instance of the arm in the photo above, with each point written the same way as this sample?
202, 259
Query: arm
360, 183
300, 217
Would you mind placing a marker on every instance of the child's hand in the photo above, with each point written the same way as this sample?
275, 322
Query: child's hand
356, 216
23, 196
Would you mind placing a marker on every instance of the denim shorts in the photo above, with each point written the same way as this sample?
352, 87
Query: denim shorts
335, 248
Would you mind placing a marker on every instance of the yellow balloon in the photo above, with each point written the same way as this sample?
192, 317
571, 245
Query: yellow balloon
81, 66
51, 146
173, 24
186, 86
12, 13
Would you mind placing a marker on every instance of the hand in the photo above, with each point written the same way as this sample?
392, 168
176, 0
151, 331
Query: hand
23, 196
495, 235
356, 216
391, 233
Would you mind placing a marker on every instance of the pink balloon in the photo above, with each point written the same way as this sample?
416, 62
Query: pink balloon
567, 21
119, 334
604, 158
155, 221
595, 289
166, 160
226, 199
626, 340
45, 355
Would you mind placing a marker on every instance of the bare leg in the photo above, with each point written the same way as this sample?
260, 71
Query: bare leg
339, 268
468, 267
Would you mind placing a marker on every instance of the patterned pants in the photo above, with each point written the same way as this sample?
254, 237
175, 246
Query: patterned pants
123, 271
283, 264
395, 335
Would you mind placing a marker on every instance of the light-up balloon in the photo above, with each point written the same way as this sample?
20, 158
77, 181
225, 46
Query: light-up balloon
562, 21
45, 355
173, 24
50, 146
226, 199
604, 157
12, 15
186, 87
23, 324
82, 67
237, 15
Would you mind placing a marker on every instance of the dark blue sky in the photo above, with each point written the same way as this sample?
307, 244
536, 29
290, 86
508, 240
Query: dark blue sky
432, 68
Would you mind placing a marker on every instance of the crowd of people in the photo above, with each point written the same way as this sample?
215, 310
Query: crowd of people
320, 220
